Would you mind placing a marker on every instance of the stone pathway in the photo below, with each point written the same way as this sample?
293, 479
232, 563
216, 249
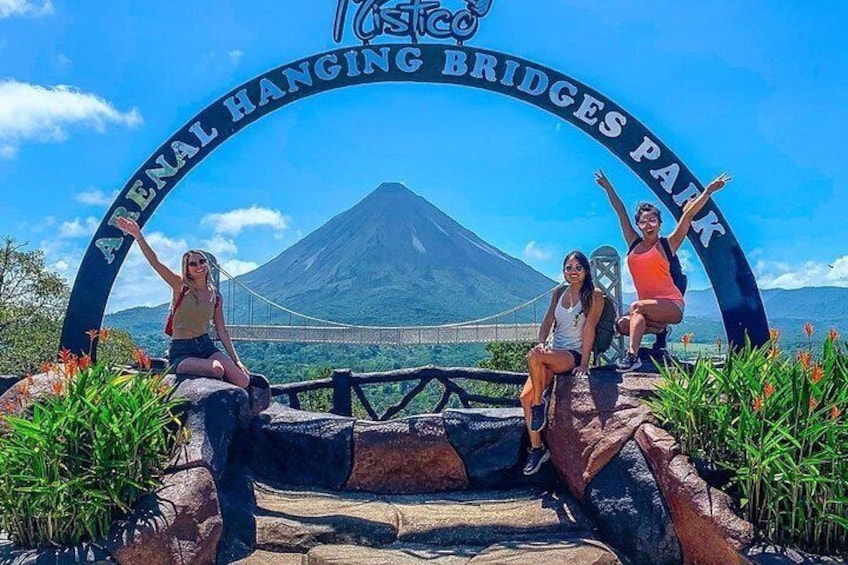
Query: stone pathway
457, 528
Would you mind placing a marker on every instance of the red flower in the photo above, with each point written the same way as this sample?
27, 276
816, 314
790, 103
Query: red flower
774, 334
772, 354
813, 404
65, 355
833, 335
768, 390
141, 359
84, 362
757, 405
808, 329
104, 334
835, 412
92, 334
686, 339
58, 387
805, 357
818, 373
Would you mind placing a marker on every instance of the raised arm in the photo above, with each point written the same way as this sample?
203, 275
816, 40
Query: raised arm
130, 227
627, 230
589, 330
691, 209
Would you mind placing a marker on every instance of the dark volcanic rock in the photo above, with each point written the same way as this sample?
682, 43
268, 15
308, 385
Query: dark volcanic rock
490, 443
301, 448
213, 415
6, 382
411, 455
180, 524
626, 504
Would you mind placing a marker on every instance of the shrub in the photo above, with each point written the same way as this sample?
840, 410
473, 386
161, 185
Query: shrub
777, 423
81, 458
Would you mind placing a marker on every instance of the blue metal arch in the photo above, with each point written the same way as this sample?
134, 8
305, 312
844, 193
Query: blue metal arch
725, 263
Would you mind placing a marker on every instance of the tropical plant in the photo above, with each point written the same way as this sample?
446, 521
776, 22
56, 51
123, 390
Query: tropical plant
777, 424
74, 461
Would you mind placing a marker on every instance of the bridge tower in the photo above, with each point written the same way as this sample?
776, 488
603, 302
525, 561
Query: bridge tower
606, 270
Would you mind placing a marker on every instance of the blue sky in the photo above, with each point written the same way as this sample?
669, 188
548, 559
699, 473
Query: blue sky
89, 90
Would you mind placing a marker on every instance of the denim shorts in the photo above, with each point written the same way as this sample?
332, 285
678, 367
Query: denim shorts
200, 347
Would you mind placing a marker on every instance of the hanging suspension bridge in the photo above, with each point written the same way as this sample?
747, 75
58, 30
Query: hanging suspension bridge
264, 320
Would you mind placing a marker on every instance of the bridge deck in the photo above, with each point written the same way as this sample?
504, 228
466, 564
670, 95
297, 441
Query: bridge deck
386, 336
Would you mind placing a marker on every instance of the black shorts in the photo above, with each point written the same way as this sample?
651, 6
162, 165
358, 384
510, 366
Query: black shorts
200, 347
578, 357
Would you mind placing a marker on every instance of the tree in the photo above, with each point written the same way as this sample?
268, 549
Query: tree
32, 306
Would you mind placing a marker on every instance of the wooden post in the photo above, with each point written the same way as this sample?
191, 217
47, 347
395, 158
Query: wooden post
342, 389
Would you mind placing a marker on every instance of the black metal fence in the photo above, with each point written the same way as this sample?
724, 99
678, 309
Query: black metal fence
346, 386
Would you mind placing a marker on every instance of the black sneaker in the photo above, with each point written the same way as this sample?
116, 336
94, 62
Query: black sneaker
536, 456
629, 363
662, 341
538, 416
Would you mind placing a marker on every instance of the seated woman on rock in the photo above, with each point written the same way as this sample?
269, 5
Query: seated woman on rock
659, 299
573, 313
195, 303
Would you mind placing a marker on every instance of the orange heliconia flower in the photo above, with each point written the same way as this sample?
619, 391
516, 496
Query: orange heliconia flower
686, 339
46, 367
818, 373
65, 355
104, 334
768, 390
813, 403
84, 362
835, 412
142, 359
772, 354
808, 329
757, 405
58, 387
92, 334
774, 334
805, 357
833, 335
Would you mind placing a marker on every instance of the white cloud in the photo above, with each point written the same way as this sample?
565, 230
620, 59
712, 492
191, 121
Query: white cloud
234, 221
95, 197
34, 113
219, 246
236, 267
10, 8
779, 274
78, 228
533, 251
235, 55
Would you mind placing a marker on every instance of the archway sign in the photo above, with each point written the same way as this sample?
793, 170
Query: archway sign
444, 60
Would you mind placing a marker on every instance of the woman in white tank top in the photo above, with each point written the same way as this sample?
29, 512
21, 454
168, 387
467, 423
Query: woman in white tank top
573, 314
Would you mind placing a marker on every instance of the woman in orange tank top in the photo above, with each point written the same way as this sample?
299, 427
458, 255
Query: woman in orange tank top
658, 300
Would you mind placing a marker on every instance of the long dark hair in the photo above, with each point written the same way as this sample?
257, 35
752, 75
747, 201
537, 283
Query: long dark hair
588, 283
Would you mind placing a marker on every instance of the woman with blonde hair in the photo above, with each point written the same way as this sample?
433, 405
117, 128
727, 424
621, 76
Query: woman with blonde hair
195, 303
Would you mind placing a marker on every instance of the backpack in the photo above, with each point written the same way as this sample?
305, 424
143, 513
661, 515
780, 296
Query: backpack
677, 275
605, 330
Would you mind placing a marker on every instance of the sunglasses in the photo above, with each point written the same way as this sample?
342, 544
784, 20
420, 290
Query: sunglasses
653, 220
574, 268
196, 263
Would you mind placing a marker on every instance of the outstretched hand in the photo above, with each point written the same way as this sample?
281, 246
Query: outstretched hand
718, 183
581, 371
602, 180
128, 226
